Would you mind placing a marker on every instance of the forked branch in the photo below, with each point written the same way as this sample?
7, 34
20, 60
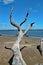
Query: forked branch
24, 19
12, 22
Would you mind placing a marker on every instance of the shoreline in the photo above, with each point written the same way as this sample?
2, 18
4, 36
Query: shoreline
17, 35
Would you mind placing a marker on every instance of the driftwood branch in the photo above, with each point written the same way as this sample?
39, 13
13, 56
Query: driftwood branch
17, 56
8, 48
22, 48
27, 29
11, 20
24, 19
12, 50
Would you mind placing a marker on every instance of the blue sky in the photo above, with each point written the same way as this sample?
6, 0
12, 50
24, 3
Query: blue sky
34, 7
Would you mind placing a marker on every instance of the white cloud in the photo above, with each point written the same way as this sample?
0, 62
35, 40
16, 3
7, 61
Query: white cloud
7, 1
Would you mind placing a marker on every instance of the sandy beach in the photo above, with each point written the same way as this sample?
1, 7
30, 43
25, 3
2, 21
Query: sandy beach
30, 54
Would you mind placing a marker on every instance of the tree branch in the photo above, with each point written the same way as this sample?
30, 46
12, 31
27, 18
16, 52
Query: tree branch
22, 48
29, 28
8, 48
24, 19
11, 20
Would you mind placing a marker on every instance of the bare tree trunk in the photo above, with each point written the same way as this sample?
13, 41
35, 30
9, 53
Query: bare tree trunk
18, 60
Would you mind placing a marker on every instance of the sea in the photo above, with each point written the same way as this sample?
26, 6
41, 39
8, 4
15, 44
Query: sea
30, 33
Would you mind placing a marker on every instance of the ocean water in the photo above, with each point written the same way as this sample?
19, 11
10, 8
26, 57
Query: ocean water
30, 33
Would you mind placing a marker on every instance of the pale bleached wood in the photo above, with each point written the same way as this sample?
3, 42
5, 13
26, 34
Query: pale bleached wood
18, 59
12, 22
29, 27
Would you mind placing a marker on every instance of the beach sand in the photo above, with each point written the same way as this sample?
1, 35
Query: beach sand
30, 54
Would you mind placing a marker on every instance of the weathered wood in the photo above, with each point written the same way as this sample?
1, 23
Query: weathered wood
17, 58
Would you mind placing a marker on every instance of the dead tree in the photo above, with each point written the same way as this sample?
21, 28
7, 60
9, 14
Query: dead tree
17, 58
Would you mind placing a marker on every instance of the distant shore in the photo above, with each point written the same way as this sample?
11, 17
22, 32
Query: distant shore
31, 33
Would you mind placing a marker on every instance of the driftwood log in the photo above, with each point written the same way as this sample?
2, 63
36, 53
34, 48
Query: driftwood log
17, 58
